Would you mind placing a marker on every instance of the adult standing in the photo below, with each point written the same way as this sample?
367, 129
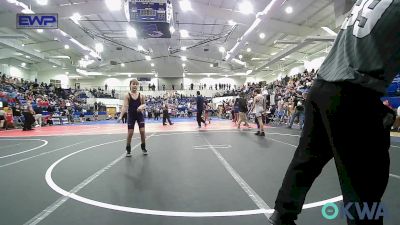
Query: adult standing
200, 108
356, 73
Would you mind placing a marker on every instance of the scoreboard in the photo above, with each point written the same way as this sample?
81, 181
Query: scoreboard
151, 18
146, 10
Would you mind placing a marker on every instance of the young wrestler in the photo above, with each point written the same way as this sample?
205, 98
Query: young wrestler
135, 104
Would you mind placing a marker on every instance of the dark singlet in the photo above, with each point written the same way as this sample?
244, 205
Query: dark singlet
133, 114
134, 104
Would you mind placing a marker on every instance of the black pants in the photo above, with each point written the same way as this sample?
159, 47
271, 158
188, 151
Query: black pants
199, 119
343, 121
166, 117
28, 120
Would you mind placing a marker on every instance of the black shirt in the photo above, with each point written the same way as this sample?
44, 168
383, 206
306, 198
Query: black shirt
367, 49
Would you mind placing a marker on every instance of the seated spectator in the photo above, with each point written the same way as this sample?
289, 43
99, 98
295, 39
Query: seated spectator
3, 121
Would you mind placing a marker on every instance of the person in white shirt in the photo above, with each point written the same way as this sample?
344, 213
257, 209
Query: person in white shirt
258, 109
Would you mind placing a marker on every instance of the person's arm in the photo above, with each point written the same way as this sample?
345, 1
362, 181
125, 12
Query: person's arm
143, 105
125, 106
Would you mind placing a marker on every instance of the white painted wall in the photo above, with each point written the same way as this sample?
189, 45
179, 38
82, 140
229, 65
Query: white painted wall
314, 64
18, 72
296, 70
122, 83
55, 75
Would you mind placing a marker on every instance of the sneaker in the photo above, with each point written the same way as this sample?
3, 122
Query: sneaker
258, 133
128, 151
143, 146
276, 219
262, 134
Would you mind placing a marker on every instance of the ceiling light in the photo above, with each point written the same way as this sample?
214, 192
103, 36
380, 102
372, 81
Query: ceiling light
152, 65
208, 75
221, 49
289, 9
331, 32
274, 53
184, 33
171, 29
183, 58
122, 64
131, 32
140, 48
147, 57
66, 46
109, 75
185, 5
211, 65
262, 35
231, 23
39, 30
99, 47
54, 66
156, 75
129, 75
183, 64
86, 57
23, 64
27, 56
183, 75
113, 5
76, 17
248, 50
226, 75
183, 48
245, 7
240, 56
66, 73
42, 2
23, 45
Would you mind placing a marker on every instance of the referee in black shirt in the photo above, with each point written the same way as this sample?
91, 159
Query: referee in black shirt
362, 63
200, 108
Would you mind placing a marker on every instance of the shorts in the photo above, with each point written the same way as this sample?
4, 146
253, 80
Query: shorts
259, 114
133, 118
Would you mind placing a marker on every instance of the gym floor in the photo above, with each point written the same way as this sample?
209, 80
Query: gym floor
214, 175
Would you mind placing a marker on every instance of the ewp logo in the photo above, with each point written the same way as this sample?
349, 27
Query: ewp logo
361, 211
37, 21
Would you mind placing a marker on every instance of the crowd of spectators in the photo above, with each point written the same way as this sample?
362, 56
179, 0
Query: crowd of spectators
284, 99
30, 100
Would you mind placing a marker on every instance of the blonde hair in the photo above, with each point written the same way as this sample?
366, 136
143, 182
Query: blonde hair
133, 80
